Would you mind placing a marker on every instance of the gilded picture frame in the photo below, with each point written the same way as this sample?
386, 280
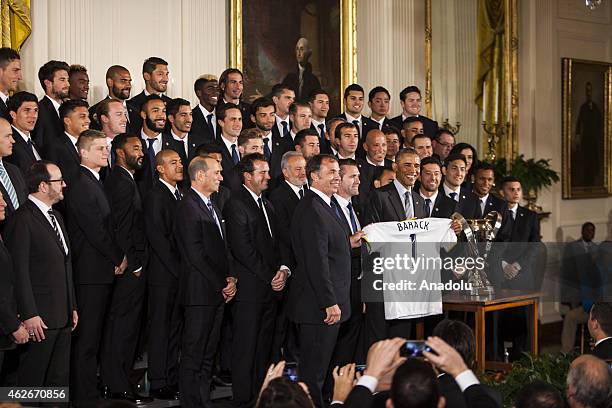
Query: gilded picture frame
255, 56
587, 128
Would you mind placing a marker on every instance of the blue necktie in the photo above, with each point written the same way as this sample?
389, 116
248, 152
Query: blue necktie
285, 128
427, 207
352, 217
336, 207
267, 152
213, 214
8, 185
151, 154
235, 157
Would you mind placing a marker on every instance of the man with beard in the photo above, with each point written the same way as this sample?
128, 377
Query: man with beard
53, 77
155, 74
10, 75
119, 84
162, 280
180, 117
319, 105
230, 87
64, 151
23, 113
79, 82
153, 114
435, 202
124, 313
204, 123
263, 115
302, 81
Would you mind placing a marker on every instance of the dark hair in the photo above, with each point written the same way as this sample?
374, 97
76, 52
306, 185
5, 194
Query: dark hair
442, 131
347, 162
70, 105
453, 157
222, 110
420, 136
149, 98
587, 224
247, 163
430, 160
411, 119
538, 394
121, 139
248, 134
278, 89
404, 151
281, 392
150, 63
314, 164
392, 130
75, 69
462, 146
376, 90
8, 55
208, 148
508, 179
201, 81
483, 165
36, 174
353, 87
48, 70
15, 101
459, 336
262, 102
313, 94
407, 90
300, 137
293, 108
602, 312
331, 121
224, 77
174, 106
338, 130
103, 108
415, 385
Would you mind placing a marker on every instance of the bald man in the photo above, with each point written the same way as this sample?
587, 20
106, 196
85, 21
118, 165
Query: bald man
589, 383
119, 84
302, 81
370, 168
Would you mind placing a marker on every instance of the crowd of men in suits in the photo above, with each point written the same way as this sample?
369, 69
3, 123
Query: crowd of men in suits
221, 236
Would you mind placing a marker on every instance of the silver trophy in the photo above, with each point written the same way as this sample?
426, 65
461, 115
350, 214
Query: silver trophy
480, 234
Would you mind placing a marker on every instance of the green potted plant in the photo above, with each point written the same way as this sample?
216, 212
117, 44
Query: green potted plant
534, 175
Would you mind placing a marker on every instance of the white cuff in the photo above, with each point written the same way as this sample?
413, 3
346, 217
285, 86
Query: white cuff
369, 382
466, 379
285, 268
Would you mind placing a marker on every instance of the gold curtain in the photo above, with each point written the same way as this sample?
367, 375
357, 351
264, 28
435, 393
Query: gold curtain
16, 23
491, 73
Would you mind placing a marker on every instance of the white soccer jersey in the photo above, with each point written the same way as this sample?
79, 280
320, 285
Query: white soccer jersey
409, 264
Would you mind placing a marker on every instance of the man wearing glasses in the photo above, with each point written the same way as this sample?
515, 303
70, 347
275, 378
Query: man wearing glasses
443, 143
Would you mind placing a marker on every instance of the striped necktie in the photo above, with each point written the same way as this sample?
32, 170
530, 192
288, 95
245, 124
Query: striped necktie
8, 185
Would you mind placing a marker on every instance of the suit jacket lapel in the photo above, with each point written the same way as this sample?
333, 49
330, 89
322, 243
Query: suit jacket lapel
41, 218
396, 202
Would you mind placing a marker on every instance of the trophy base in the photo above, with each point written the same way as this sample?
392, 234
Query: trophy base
482, 291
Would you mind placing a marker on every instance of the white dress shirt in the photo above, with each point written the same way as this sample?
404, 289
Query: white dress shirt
295, 189
157, 144
323, 196
27, 138
448, 190
343, 203
95, 173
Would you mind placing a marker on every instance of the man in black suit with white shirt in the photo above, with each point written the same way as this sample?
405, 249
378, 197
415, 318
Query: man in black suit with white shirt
205, 284
163, 276
319, 296
435, 203
319, 105
180, 117
53, 77
353, 104
42, 274
378, 102
231, 85
484, 180
455, 171
155, 74
229, 118
600, 328
12, 185
410, 99
264, 116
23, 114
204, 124
10, 75
97, 259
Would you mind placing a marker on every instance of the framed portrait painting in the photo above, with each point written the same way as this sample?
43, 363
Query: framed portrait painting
306, 44
587, 128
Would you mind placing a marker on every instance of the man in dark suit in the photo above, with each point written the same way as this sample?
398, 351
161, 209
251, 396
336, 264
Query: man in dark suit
97, 259
302, 80
299, 117
263, 115
370, 168
410, 99
163, 276
353, 105
10, 75
12, 185
307, 143
204, 124
230, 121
396, 201
53, 77
249, 142
282, 96
113, 121
484, 180
63, 151
124, 315
119, 84
180, 117
455, 171
285, 198
319, 296
23, 114
435, 203
319, 106
12, 330
155, 74
42, 275
230, 87
442, 143
600, 328
205, 284
378, 102
214, 151
253, 241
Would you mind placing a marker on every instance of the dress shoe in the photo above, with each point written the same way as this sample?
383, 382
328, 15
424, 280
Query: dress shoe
132, 397
164, 393
223, 378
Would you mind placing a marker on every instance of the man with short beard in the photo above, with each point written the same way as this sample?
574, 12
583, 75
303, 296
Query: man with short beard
204, 123
264, 117
53, 77
435, 202
119, 84
153, 115
124, 314
180, 116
